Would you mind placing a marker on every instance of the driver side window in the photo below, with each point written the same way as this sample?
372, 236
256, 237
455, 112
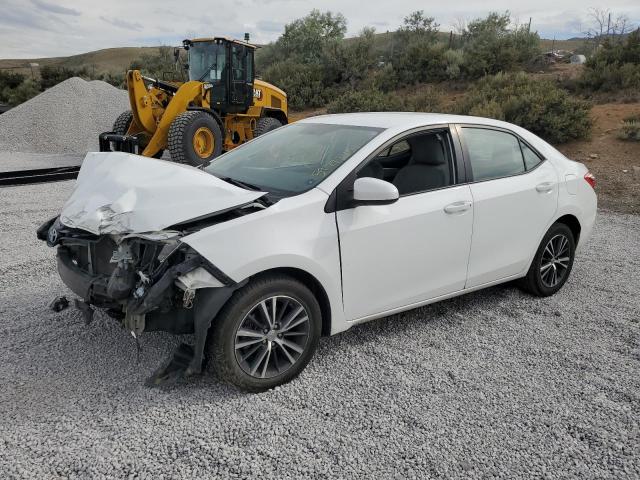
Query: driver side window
418, 163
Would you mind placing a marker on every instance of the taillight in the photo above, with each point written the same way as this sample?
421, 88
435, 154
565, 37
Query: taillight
591, 179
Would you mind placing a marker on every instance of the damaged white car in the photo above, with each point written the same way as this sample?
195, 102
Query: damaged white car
313, 228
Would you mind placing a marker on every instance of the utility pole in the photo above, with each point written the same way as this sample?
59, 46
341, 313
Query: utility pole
529, 26
608, 24
553, 45
450, 39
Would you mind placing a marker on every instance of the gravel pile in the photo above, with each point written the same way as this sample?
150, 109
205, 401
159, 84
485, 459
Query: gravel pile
494, 384
66, 118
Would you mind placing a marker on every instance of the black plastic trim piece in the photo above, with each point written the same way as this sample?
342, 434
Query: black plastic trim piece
120, 143
39, 175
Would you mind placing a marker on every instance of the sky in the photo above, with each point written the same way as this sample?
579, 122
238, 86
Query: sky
44, 28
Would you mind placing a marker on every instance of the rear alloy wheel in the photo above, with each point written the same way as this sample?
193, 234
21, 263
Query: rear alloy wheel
194, 138
552, 263
266, 334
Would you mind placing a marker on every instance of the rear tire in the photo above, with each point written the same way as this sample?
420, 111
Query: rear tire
552, 264
265, 125
276, 354
194, 138
122, 123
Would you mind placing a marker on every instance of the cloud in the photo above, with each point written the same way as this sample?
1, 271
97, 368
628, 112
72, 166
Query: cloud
118, 22
270, 26
52, 8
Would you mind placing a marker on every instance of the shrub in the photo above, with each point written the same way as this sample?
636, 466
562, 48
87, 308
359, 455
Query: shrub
615, 66
630, 129
537, 105
491, 46
372, 100
365, 101
426, 100
23, 92
453, 61
421, 61
50, 76
303, 83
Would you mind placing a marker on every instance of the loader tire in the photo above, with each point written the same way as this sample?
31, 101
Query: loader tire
194, 138
122, 123
266, 124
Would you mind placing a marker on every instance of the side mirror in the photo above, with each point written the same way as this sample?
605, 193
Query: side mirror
373, 191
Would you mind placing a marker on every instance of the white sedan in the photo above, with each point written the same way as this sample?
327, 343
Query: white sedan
315, 227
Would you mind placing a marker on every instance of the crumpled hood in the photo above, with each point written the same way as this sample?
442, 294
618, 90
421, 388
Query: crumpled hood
119, 192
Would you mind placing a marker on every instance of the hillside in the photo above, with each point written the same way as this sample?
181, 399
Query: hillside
101, 61
116, 60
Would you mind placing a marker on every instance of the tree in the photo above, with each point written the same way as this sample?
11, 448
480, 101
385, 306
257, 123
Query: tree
306, 38
416, 25
352, 60
492, 45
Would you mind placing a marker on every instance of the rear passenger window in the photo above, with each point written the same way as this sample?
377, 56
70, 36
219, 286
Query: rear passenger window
531, 158
493, 154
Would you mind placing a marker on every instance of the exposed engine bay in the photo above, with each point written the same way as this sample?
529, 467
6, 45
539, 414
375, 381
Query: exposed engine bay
147, 282
119, 249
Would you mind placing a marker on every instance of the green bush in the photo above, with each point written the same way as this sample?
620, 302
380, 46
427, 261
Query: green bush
365, 101
23, 92
537, 105
50, 76
159, 65
9, 81
372, 100
426, 100
491, 45
303, 83
453, 61
616, 66
630, 129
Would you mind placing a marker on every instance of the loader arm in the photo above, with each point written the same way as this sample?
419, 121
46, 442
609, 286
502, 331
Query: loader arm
189, 92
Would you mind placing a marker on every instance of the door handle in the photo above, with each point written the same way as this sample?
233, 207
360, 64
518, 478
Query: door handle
544, 187
457, 207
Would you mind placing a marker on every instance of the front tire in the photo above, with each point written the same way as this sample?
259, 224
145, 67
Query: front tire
266, 334
122, 123
266, 125
194, 138
552, 263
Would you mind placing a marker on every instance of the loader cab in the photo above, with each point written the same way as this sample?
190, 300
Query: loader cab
227, 65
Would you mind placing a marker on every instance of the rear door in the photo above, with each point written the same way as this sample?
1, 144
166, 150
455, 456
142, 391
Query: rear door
515, 196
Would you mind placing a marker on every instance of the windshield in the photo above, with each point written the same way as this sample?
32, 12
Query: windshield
292, 159
206, 61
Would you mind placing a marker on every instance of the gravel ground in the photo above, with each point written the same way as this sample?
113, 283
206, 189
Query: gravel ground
491, 384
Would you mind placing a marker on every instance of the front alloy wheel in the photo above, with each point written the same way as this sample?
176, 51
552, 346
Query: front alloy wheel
266, 333
272, 337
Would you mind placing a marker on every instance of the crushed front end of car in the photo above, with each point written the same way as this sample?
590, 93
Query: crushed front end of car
119, 249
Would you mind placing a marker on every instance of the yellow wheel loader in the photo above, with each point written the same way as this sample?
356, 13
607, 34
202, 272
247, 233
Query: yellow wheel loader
221, 106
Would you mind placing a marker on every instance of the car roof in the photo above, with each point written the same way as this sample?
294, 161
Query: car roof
401, 120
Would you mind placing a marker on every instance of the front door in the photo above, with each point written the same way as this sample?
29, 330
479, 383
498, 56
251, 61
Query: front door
416, 248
